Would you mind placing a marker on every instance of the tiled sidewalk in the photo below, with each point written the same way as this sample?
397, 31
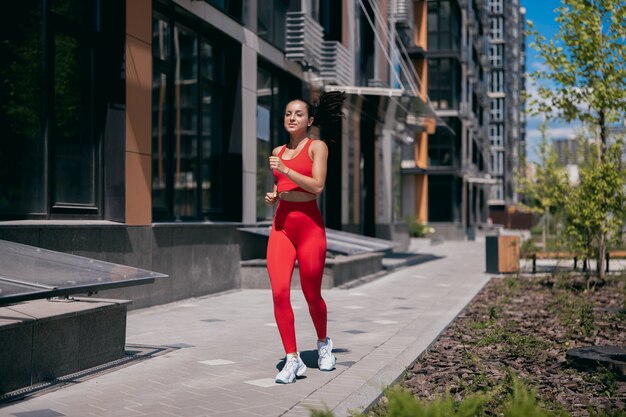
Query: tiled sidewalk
228, 349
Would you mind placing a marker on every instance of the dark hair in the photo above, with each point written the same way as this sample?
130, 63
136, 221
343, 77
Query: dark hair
327, 110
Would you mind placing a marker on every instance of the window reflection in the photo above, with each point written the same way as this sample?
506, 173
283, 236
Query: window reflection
186, 119
271, 20
22, 162
74, 151
159, 132
187, 137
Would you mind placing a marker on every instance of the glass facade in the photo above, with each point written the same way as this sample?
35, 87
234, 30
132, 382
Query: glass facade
189, 129
230, 7
444, 25
444, 148
271, 21
58, 85
444, 83
442, 190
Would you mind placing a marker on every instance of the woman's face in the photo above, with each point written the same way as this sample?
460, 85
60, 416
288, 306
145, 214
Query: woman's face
297, 118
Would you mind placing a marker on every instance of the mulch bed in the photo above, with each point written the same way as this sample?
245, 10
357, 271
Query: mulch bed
525, 325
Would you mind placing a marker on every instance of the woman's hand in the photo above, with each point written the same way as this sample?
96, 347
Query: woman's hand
271, 198
277, 163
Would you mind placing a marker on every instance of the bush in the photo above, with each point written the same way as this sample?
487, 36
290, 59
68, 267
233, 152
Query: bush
417, 229
521, 402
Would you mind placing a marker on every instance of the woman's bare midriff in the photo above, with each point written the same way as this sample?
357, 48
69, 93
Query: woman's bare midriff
296, 196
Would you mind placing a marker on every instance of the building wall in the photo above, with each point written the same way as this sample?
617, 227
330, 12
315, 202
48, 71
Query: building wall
199, 259
137, 220
507, 140
138, 112
457, 86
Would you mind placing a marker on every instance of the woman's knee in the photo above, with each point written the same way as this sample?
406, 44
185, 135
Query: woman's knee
281, 297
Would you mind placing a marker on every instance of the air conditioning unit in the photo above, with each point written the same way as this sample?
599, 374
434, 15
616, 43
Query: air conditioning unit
304, 40
337, 65
402, 11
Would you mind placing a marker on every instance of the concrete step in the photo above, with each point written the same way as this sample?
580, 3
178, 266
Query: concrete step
45, 339
338, 271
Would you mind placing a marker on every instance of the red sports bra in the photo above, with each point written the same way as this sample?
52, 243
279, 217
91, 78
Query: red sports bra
301, 163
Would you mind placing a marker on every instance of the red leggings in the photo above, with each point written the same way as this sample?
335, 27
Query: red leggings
297, 233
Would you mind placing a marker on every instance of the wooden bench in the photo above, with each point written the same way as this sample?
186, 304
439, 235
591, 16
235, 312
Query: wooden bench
618, 254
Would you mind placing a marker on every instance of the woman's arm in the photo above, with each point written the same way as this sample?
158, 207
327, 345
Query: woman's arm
315, 183
272, 197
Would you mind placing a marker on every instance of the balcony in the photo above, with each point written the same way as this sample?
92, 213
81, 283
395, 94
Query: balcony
305, 39
336, 64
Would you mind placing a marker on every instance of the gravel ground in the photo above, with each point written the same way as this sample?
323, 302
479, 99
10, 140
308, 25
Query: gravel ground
525, 325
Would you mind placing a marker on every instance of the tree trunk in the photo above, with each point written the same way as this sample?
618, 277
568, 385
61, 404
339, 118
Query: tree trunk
603, 133
601, 255
543, 231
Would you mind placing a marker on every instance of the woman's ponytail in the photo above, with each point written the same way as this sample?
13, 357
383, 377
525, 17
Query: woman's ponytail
328, 109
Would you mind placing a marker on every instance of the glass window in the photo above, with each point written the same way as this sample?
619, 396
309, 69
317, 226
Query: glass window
496, 134
496, 6
57, 92
75, 10
271, 21
22, 154
496, 82
159, 136
497, 191
497, 109
444, 25
497, 27
160, 39
74, 151
187, 123
440, 198
443, 148
444, 83
230, 7
496, 53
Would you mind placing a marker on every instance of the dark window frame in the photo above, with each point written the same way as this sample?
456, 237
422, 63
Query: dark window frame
96, 42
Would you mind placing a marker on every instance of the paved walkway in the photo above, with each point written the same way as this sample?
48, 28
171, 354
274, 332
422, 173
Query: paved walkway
228, 349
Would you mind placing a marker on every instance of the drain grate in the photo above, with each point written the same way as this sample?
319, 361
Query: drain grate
134, 353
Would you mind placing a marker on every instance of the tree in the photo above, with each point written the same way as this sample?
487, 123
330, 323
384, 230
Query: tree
544, 194
585, 71
595, 209
585, 65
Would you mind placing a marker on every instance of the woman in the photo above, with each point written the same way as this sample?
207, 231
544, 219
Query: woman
298, 229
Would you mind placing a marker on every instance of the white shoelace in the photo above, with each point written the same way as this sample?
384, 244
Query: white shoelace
292, 364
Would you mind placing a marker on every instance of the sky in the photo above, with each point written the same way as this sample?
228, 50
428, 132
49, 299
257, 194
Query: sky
541, 13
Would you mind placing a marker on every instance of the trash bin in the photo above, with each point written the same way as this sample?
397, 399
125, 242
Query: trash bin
502, 254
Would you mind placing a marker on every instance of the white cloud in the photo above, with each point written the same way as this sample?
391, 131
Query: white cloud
553, 133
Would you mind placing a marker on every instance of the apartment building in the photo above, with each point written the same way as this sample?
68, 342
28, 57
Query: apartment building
137, 131
456, 160
506, 85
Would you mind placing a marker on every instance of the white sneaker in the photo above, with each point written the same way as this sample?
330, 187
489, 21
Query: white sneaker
293, 367
326, 360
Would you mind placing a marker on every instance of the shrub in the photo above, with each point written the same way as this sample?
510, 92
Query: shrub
417, 229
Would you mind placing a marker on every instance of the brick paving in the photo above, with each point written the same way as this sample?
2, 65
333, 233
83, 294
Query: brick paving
225, 348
